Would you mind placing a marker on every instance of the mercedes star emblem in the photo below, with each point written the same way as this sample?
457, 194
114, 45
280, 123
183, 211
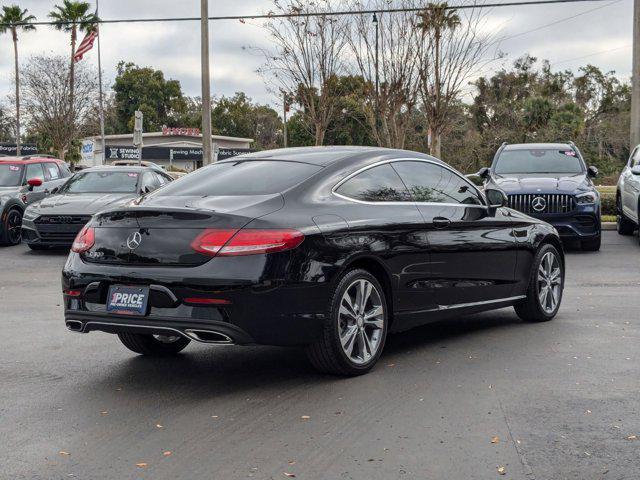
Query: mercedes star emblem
539, 204
134, 240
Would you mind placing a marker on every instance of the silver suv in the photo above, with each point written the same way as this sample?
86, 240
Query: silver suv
628, 195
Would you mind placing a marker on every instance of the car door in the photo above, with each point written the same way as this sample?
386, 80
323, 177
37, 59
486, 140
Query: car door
384, 222
33, 194
631, 187
472, 249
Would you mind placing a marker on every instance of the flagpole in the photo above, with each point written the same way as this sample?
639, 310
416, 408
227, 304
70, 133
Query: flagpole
101, 103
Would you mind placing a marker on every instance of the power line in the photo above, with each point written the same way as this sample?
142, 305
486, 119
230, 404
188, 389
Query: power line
269, 16
556, 22
590, 55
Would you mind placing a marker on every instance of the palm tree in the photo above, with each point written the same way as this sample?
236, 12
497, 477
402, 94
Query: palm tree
71, 17
13, 18
435, 19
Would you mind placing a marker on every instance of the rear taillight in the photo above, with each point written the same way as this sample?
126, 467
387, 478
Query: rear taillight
85, 239
229, 243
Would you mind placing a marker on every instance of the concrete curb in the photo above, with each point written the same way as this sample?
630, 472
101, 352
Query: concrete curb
608, 225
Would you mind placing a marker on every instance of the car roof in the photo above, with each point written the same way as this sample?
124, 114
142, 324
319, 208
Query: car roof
120, 168
29, 159
539, 146
324, 156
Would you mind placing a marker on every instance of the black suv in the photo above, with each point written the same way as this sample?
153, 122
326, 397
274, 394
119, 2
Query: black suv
550, 181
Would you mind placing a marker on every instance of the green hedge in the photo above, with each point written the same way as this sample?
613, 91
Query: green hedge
608, 199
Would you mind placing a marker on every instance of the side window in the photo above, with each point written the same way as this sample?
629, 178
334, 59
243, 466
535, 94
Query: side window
162, 180
377, 184
635, 159
51, 171
150, 180
34, 170
64, 170
428, 182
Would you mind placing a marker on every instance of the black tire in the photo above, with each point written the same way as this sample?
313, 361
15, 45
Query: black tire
531, 309
327, 354
592, 245
149, 345
37, 247
624, 226
11, 227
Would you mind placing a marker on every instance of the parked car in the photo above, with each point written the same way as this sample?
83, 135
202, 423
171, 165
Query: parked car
628, 195
328, 248
24, 180
56, 220
551, 182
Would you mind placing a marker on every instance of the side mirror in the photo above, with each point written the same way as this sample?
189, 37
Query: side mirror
635, 170
496, 198
484, 173
34, 182
592, 171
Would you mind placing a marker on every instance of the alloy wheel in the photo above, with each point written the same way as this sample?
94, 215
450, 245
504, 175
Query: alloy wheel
549, 282
361, 321
14, 227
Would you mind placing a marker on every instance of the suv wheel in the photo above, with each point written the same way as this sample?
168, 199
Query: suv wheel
154, 345
546, 283
623, 224
355, 327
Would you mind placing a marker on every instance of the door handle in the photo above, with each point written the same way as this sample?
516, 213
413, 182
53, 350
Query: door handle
441, 222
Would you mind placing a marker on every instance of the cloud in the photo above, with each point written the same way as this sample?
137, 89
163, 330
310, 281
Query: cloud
175, 47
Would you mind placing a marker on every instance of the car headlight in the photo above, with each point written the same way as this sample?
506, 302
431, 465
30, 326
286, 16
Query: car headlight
30, 214
589, 197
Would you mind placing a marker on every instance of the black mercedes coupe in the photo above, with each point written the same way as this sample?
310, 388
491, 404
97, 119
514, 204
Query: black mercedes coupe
330, 248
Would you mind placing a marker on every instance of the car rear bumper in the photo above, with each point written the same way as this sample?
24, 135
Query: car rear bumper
258, 303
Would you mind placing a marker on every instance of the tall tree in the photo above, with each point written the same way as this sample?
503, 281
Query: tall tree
143, 88
396, 46
455, 50
308, 57
73, 17
15, 19
44, 81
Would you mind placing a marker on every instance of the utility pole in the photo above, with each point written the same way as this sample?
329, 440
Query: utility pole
377, 66
101, 104
285, 110
207, 145
635, 78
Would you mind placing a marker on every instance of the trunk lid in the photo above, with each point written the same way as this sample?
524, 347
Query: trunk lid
159, 231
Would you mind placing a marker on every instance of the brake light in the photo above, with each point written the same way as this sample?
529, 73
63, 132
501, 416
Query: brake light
229, 243
85, 239
73, 293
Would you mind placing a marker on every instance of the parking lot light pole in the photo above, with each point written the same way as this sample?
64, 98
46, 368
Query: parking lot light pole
207, 146
635, 78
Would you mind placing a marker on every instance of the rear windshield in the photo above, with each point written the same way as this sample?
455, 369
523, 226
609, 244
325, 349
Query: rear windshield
102, 182
255, 177
10, 175
538, 161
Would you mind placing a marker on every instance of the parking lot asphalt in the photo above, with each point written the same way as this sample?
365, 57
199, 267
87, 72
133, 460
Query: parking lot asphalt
480, 397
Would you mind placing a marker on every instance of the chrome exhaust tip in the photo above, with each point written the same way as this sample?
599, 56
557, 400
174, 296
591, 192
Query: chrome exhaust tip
208, 336
74, 325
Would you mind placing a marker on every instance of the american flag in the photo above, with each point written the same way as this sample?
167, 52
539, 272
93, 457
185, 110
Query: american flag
86, 45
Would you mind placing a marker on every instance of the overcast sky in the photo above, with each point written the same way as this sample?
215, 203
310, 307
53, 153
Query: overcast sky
602, 37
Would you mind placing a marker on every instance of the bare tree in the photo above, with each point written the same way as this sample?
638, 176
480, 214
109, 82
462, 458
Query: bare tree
455, 50
398, 47
308, 58
46, 95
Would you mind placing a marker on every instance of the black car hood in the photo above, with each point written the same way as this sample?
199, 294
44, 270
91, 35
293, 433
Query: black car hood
80, 203
542, 183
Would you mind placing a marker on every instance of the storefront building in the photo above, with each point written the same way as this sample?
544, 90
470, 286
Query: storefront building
180, 148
